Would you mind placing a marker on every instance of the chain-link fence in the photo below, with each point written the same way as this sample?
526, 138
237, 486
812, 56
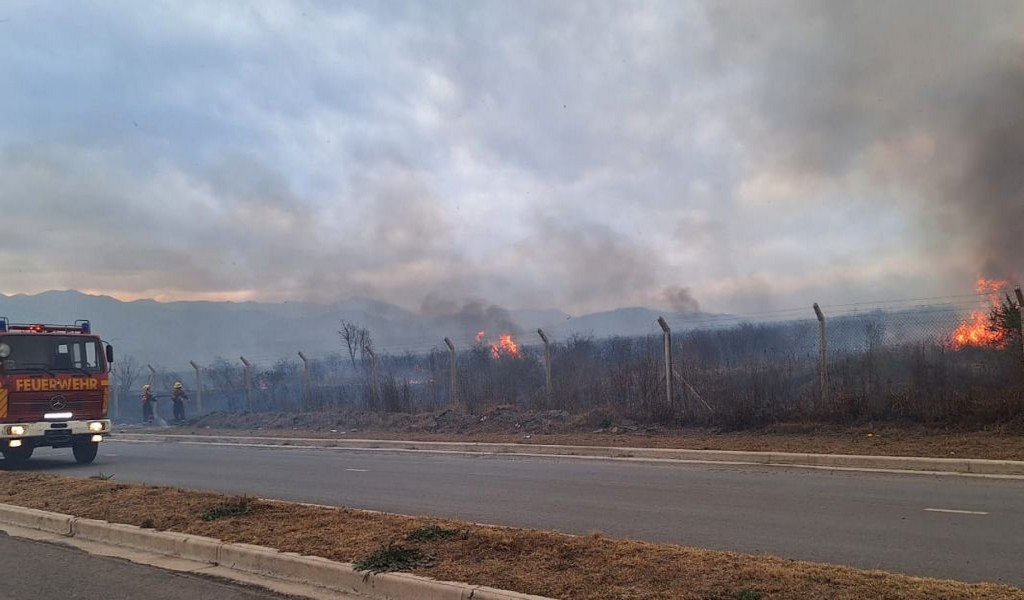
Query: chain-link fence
890, 363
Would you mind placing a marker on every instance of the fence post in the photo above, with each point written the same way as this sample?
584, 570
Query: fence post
199, 388
248, 383
306, 402
374, 388
1020, 314
823, 352
452, 396
547, 364
667, 337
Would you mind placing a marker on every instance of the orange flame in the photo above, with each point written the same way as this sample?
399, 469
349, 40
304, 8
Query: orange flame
506, 345
978, 329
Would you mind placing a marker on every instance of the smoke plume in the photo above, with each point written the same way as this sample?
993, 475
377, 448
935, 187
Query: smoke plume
468, 317
681, 300
921, 101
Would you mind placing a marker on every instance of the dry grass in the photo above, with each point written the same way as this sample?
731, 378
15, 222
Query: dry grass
884, 441
550, 564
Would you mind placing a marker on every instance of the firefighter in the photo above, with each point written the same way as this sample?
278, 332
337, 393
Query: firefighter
147, 404
178, 396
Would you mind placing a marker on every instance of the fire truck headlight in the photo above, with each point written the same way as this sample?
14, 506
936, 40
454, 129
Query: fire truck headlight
5, 350
14, 444
16, 430
96, 425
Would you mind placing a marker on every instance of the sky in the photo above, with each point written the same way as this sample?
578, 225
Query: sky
722, 156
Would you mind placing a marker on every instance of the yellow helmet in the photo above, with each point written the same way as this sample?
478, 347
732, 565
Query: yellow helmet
177, 385
145, 386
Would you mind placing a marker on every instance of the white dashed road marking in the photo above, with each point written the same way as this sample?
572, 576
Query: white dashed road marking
358, 470
956, 511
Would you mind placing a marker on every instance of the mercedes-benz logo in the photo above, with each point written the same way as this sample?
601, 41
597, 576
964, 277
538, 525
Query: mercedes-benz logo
58, 402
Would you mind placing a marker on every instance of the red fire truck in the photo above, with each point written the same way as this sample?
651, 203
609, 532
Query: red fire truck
54, 389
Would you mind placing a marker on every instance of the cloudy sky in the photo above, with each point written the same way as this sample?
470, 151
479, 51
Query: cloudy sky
573, 155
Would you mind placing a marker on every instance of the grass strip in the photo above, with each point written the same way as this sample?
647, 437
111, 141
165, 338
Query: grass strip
590, 567
431, 533
394, 557
235, 507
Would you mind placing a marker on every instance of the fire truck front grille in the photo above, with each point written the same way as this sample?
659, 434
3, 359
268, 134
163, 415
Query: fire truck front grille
34, 409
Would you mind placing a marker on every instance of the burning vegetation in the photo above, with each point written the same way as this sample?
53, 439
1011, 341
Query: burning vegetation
986, 327
505, 345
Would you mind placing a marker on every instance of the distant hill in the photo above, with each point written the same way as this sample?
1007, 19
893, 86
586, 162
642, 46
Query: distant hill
623, 322
172, 333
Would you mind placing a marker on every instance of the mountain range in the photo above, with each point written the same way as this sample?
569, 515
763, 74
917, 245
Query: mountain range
170, 334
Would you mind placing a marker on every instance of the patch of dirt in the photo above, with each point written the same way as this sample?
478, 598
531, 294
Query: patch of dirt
510, 425
590, 567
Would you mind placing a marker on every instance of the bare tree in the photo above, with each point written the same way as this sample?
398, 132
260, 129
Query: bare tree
357, 339
125, 371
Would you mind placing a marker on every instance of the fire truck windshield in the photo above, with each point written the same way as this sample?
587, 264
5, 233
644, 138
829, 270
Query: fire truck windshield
52, 353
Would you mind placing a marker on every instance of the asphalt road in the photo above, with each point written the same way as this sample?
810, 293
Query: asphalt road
870, 520
50, 571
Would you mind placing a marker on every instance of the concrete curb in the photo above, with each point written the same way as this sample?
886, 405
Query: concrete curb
972, 466
288, 566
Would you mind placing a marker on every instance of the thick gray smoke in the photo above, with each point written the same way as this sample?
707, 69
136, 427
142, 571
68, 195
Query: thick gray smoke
681, 300
988, 198
916, 99
468, 317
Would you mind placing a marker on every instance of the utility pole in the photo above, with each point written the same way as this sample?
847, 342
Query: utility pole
305, 382
669, 371
199, 388
152, 374
248, 383
452, 396
823, 351
547, 364
374, 388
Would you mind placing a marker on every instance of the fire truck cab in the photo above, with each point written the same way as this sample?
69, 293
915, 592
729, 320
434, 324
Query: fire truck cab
54, 389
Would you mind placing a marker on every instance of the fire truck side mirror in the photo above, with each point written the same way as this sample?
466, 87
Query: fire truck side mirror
110, 353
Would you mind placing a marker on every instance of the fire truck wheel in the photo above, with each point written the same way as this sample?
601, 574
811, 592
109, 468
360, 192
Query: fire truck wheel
85, 452
17, 456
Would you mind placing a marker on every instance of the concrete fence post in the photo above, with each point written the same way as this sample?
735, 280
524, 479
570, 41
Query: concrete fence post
823, 353
374, 385
452, 394
669, 371
199, 388
547, 364
248, 383
306, 400
149, 380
